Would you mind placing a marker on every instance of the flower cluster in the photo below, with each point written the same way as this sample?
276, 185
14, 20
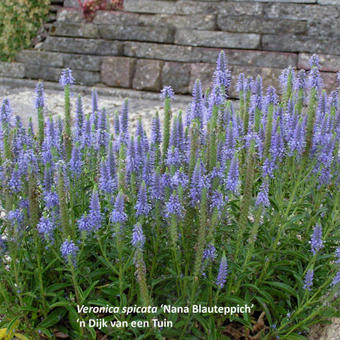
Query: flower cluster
242, 184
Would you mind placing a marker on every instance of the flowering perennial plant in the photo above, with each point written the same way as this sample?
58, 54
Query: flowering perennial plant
230, 204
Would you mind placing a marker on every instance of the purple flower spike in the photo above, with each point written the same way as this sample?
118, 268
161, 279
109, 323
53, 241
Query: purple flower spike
118, 215
197, 102
309, 280
66, 78
69, 251
142, 205
39, 95
174, 206
262, 197
316, 240
222, 272
167, 92
138, 238
46, 227
232, 181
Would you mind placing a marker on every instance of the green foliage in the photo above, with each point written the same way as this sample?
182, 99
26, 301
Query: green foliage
19, 22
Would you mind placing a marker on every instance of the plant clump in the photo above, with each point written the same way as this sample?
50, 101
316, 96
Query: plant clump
222, 206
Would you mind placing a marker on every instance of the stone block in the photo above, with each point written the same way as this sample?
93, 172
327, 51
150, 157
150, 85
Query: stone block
256, 24
71, 3
117, 71
300, 43
184, 7
241, 8
82, 62
329, 81
70, 16
285, 1
217, 39
147, 75
204, 72
209, 55
12, 70
329, 2
53, 74
177, 75
83, 30
201, 22
136, 33
43, 58
82, 46
328, 63
149, 6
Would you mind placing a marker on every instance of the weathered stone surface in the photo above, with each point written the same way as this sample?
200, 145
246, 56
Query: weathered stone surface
209, 55
82, 46
53, 74
12, 70
70, 15
205, 72
256, 24
329, 80
241, 8
83, 30
328, 63
300, 43
40, 58
82, 62
117, 71
138, 33
176, 75
71, 3
322, 20
149, 6
201, 22
329, 2
285, 1
195, 7
147, 75
217, 39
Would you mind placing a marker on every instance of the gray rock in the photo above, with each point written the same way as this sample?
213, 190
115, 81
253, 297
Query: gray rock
71, 3
53, 74
240, 8
202, 22
40, 58
256, 24
82, 46
300, 43
83, 30
149, 6
69, 15
209, 55
117, 71
82, 62
177, 75
196, 7
204, 73
217, 39
147, 75
328, 63
328, 2
286, 1
137, 33
12, 70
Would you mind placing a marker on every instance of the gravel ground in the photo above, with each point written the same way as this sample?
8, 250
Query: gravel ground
142, 104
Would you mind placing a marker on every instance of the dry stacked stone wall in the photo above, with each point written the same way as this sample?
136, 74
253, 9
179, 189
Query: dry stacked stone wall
153, 43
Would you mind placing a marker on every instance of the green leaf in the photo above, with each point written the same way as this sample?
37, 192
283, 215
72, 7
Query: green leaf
53, 318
